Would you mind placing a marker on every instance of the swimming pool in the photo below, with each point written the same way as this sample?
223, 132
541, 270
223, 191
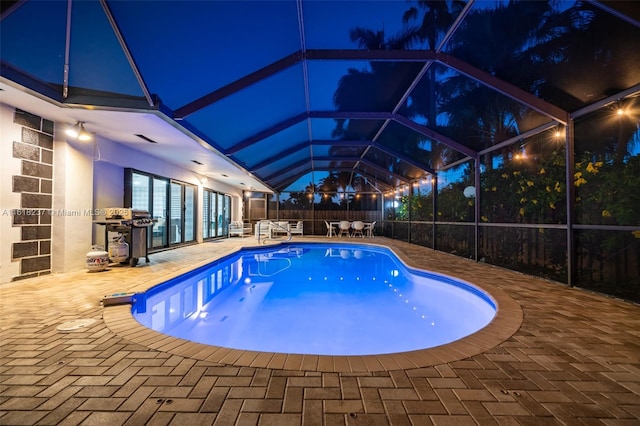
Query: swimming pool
315, 298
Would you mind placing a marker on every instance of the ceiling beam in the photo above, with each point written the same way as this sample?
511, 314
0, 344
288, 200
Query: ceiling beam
266, 133
288, 169
371, 55
474, 73
365, 115
363, 174
242, 83
324, 142
127, 53
280, 155
520, 137
374, 166
283, 183
507, 89
9, 8
278, 184
483, 77
389, 151
425, 131
403, 157
357, 159
353, 158
617, 13
631, 91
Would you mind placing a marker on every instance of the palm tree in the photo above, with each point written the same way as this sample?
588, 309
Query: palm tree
503, 42
437, 17
355, 90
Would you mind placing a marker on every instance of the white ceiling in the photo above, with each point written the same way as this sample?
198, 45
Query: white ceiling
175, 144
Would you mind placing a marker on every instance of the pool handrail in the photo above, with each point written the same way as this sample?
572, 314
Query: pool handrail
272, 225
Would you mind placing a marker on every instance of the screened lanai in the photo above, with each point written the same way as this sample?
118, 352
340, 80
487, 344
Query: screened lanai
502, 131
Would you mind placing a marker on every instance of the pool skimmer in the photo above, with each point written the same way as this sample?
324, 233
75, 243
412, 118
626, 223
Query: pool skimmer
118, 299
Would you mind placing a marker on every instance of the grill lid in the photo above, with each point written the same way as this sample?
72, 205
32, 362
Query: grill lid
124, 213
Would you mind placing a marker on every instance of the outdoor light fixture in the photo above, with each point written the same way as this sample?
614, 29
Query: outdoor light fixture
78, 132
619, 108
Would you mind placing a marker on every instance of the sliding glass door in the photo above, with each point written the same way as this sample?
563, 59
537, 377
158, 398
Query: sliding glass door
175, 228
216, 214
158, 212
189, 213
182, 212
172, 204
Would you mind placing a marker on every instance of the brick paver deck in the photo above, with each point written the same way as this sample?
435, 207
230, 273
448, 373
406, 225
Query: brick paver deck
574, 359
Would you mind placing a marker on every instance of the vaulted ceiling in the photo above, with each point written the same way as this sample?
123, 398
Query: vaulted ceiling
281, 94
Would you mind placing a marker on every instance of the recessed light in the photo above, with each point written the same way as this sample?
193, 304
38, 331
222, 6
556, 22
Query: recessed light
223, 175
197, 162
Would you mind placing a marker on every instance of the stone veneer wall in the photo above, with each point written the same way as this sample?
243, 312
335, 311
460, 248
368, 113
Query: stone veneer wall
35, 186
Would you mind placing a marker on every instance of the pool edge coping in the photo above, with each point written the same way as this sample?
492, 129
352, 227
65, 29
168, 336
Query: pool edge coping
507, 321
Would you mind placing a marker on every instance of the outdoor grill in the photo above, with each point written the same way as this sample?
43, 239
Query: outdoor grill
133, 225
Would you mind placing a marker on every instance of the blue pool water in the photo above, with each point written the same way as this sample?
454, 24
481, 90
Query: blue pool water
315, 298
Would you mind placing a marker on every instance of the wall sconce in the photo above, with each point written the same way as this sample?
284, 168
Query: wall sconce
78, 132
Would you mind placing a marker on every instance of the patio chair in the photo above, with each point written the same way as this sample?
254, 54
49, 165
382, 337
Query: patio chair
239, 228
263, 229
331, 230
344, 227
280, 227
297, 229
368, 228
357, 226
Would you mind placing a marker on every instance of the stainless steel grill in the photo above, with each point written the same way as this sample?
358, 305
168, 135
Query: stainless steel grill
133, 225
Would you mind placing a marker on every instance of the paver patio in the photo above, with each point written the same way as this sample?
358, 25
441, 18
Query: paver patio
574, 360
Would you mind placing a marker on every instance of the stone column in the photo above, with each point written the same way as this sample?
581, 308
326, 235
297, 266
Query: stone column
34, 183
